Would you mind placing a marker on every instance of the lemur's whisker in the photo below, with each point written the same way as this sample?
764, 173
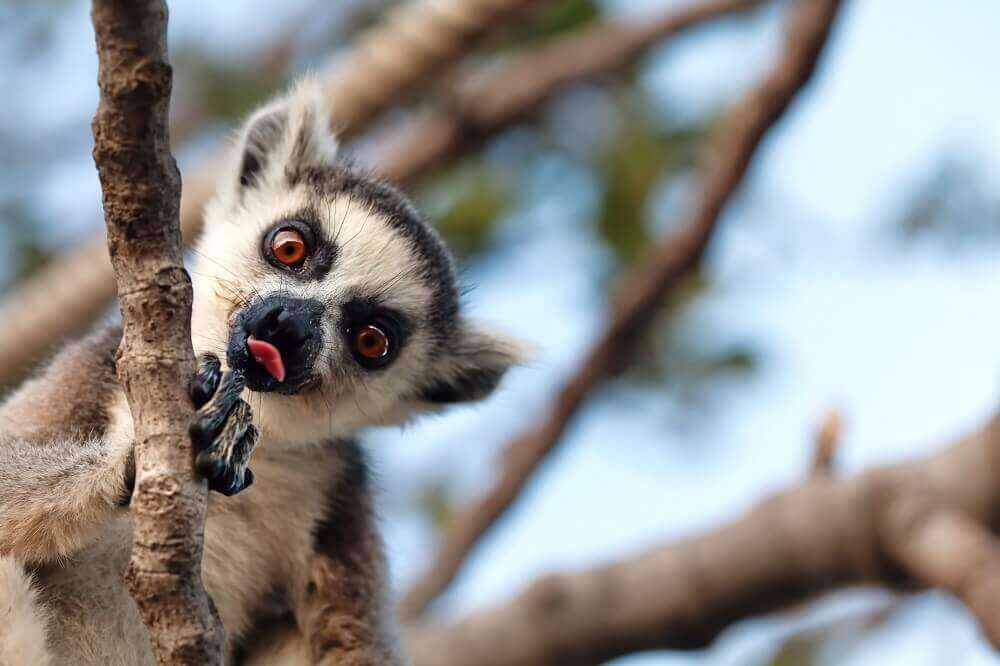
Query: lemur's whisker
347, 210
360, 231
218, 263
336, 236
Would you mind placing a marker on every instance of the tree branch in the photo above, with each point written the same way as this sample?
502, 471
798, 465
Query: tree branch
823, 535
141, 187
415, 42
643, 293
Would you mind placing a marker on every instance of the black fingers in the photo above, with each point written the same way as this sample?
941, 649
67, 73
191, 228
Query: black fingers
206, 381
224, 435
210, 420
224, 465
222, 477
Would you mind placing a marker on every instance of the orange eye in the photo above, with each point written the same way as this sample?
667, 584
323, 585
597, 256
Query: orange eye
371, 342
289, 247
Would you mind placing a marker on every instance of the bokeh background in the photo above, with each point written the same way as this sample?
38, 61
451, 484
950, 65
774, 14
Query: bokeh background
858, 267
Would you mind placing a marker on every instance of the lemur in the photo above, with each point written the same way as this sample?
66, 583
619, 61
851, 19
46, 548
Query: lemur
323, 305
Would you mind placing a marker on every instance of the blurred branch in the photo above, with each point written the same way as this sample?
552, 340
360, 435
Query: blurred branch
484, 105
823, 535
141, 196
268, 68
414, 42
644, 292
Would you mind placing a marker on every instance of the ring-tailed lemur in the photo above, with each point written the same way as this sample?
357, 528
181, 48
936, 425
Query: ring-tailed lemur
323, 304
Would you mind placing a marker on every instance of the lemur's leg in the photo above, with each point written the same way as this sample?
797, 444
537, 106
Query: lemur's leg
222, 431
22, 619
343, 608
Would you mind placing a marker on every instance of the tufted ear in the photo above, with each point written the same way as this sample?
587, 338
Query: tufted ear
473, 366
289, 134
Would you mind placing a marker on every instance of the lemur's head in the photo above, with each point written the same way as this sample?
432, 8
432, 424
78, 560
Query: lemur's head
324, 285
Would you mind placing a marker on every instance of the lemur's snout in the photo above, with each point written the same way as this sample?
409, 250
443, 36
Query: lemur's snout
276, 341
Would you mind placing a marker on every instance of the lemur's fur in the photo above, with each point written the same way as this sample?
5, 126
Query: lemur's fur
293, 561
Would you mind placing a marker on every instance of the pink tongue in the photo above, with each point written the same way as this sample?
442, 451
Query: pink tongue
268, 356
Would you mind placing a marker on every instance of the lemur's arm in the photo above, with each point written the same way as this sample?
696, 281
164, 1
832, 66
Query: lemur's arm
343, 608
64, 471
56, 495
61, 475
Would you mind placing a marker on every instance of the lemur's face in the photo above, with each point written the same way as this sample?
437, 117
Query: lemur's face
325, 287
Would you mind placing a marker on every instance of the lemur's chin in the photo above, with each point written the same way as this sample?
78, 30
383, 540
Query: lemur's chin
275, 342
265, 383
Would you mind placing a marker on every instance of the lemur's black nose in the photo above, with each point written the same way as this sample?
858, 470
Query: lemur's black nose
281, 327
276, 341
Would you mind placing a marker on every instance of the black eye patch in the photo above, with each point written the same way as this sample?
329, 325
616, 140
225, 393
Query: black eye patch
320, 251
375, 334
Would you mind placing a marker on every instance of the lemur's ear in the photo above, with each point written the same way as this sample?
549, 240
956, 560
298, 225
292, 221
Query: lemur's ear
473, 366
287, 135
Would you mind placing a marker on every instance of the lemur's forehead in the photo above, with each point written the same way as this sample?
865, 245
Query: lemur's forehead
371, 258
399, 248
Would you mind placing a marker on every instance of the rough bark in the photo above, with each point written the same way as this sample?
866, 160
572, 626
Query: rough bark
925, 523
642, 294
141, 196
76, 287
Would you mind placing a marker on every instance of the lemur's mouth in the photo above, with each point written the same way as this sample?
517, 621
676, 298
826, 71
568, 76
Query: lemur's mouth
276, 342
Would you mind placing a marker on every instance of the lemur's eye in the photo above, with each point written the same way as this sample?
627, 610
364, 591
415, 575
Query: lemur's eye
373, 334
289, 247
371, 343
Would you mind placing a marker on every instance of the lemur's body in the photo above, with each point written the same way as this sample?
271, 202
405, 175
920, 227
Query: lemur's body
320, 291
259, 544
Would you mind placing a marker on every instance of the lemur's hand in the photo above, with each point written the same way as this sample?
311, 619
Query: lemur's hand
222, 429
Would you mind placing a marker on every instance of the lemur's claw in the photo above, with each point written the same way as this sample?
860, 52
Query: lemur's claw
206, 380
222, 430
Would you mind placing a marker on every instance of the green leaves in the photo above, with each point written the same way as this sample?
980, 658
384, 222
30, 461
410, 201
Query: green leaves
952, 204
435, 503
563, 17
639, 159
21, 235
465, 202
225, 90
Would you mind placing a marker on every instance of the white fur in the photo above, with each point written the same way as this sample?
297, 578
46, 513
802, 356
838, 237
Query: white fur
22, 619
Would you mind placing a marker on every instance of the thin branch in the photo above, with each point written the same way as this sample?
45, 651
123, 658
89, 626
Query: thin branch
827, 440
415, 42
644, 292
141, 187
824, 535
